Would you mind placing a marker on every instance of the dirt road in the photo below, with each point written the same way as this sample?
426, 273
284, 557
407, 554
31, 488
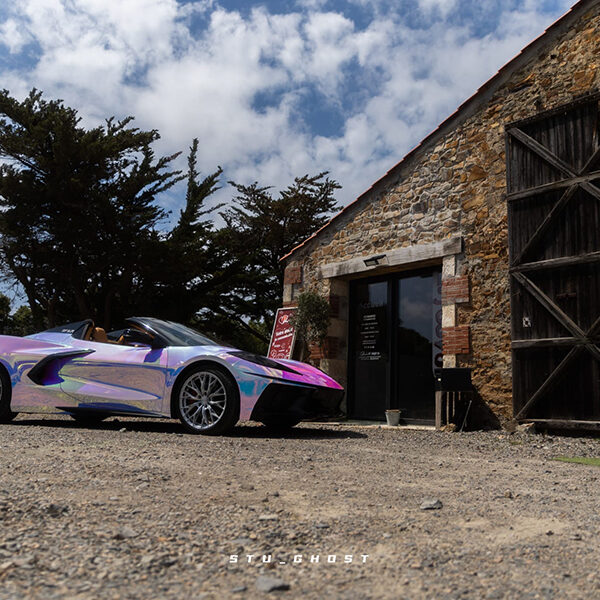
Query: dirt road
136, 509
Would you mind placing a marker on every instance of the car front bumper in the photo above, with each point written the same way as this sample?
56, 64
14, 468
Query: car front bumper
300, 402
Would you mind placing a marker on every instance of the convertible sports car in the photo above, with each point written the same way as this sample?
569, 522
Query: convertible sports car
156, 368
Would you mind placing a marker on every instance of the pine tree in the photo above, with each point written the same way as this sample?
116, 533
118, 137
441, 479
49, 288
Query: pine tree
78, 210
260, 229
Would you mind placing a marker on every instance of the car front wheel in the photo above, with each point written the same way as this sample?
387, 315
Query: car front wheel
207, 401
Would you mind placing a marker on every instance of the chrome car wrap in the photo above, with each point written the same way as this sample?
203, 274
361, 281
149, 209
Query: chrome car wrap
67, 370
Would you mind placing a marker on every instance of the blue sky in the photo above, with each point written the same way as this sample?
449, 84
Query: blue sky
272, 89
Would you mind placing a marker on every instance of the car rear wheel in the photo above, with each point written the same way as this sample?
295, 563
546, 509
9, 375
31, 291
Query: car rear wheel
207, 401
6, 415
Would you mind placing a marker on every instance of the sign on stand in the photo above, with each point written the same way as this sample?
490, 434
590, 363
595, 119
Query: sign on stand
283, 336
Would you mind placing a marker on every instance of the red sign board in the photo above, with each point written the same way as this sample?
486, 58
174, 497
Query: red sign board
283, 336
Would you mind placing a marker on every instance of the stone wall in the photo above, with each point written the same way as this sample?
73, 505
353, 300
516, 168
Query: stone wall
456, 185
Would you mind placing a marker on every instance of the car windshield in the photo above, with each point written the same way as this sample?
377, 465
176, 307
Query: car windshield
178, 335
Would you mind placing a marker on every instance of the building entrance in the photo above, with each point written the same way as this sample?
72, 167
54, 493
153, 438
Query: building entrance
395, 344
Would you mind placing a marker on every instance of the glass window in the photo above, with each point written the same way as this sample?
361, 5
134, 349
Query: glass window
178, 335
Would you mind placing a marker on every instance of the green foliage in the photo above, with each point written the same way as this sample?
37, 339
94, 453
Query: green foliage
184, 274
4, 313
259, 230
311, 318
77, 208
80, 229
19, 323
580, 460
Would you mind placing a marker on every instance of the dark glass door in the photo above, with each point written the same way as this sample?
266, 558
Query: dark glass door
370, 354
417, 344
395, 344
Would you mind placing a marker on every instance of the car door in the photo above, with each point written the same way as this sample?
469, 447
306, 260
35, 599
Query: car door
116, 378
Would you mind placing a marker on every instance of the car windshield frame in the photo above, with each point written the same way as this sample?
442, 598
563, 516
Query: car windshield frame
172, 333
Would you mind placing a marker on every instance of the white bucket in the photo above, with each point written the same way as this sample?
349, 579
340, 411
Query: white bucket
393, 417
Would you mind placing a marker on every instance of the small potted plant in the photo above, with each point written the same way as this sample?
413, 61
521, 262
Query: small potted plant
311, 321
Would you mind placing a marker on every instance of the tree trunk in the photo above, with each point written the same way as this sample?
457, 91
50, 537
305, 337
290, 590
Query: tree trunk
51, 310
37, 312
81, 302
108, 308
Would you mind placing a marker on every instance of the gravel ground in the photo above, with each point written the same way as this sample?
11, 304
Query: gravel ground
136, 509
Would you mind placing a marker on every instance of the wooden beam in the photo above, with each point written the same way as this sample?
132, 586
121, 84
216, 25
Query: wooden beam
565, 423
591, 189
593, 330
551, 381
560, 315
592, 161
542, 152
438, 409
555, 375
553, 263
545, 224
549, 305
587, 98
551, 187
545, 342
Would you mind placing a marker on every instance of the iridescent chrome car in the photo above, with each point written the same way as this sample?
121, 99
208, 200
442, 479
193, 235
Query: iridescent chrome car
157, 368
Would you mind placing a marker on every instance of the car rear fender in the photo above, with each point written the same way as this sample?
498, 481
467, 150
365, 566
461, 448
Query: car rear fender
18, 355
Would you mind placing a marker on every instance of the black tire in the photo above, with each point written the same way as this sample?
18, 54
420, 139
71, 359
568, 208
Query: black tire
281, 423
88, 419
206, 400
6, 415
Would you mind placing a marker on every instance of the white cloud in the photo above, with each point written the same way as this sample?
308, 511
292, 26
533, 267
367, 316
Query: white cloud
443, 6
12, 36
140, 57
329, 44
312, 4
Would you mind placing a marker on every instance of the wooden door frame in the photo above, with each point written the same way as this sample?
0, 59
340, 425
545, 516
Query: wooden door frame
572, 181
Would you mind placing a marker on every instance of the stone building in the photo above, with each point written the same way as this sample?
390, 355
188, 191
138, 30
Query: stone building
417, 267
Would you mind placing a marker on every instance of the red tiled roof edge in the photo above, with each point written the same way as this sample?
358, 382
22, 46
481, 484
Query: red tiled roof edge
485, 87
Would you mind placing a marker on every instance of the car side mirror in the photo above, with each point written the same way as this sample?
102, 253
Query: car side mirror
135, 337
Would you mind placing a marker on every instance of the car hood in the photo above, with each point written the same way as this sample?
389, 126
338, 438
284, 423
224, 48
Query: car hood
292, 371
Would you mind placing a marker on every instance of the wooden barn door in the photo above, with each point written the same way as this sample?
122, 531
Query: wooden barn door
553, 179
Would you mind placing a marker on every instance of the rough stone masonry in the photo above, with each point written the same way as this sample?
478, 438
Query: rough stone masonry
453, 186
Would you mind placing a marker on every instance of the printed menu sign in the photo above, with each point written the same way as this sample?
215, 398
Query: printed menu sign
283, 336
371, 335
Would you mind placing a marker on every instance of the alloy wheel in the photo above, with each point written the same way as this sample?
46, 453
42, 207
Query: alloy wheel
202, 400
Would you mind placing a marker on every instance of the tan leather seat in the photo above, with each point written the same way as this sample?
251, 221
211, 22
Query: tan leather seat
99, 335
